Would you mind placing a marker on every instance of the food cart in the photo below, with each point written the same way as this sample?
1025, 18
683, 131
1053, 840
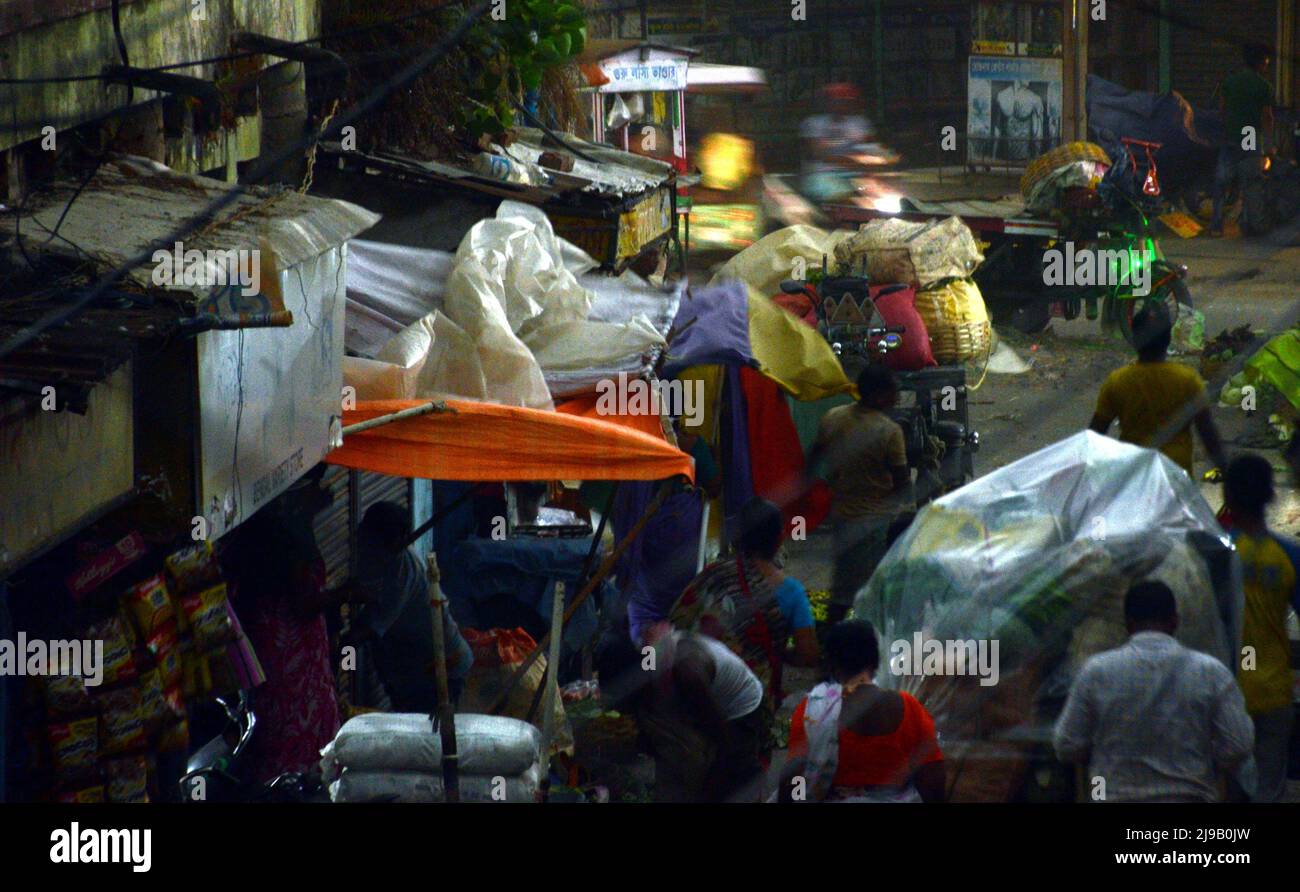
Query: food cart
638, 103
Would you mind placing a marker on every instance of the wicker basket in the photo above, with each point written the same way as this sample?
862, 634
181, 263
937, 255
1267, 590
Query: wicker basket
957, 321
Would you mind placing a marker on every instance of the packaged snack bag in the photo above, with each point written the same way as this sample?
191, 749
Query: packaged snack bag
194, 568
119, 646
149, 606
74, 746
66, 696
167, 654
128, 779
153, 706
122, 721
208, 617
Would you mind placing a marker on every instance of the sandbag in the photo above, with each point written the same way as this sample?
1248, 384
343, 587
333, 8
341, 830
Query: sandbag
415, 786
389, 741
915, 254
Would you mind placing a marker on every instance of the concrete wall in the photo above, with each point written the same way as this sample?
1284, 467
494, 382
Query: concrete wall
156, 32
57, 469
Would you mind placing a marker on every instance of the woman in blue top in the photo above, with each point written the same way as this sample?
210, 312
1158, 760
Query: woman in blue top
748, 603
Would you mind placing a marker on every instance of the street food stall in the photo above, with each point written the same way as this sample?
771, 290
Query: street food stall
639, 101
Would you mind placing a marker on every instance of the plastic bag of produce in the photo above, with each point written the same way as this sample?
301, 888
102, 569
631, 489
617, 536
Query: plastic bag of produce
915, 254
356, 785
1035, 558
389, 741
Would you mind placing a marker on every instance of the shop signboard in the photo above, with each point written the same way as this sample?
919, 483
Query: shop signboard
660, 70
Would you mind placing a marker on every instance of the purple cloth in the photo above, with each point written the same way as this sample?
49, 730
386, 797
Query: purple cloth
658, 565
739, 485
720, 334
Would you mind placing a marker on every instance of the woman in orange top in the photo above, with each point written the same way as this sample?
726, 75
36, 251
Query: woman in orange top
855, 742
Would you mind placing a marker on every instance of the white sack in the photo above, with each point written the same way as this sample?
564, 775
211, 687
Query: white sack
413, 786
392, 741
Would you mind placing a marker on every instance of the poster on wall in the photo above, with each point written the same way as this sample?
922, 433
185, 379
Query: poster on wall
1013, 109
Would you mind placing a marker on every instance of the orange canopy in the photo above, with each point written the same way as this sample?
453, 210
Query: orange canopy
586, 407
487, 441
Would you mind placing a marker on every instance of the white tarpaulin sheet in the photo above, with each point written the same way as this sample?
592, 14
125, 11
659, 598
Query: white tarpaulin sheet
516, 314
1037, 556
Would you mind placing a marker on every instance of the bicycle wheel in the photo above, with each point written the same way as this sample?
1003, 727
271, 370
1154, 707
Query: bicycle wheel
1122, 308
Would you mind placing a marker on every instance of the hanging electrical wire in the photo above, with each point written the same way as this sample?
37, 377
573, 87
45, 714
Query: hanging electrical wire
262, 168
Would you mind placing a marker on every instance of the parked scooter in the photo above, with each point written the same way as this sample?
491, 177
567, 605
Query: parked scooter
221, 770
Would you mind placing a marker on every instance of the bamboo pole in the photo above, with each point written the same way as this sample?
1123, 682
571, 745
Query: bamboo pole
551, 684
444, 719
588, 587
413, 412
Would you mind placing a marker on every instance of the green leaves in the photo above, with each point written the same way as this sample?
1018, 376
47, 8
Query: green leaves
511, 56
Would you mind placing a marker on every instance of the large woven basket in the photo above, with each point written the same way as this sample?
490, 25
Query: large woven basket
957, 321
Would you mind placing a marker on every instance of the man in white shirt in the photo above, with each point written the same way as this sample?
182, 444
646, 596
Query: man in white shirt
828, 138
697, 704
1154, 721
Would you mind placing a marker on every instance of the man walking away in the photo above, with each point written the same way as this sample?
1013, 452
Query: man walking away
398, 617
1157, 402
1153, 720
1246, 100
866, 467
1271, 582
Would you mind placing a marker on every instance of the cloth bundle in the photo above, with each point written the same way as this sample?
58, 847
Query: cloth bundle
397, 757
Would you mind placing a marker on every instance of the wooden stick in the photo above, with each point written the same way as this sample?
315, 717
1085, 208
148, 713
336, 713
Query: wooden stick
444, 720
606, 566
426, 409
550, 684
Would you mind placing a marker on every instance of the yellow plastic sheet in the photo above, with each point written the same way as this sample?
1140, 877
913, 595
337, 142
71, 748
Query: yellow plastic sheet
792, 353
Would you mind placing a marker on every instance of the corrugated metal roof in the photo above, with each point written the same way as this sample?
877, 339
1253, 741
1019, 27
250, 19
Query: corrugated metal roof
133, 201
612, 173
129, 203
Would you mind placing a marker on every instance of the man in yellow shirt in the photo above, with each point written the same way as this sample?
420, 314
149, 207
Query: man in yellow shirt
1157, 402
1269, 580
870, 481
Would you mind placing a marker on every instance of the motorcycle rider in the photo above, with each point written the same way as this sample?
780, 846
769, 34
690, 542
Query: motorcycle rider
828, 138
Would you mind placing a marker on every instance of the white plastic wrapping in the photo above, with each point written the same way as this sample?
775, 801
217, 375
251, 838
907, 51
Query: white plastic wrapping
387, 741
1037, 557
515, 301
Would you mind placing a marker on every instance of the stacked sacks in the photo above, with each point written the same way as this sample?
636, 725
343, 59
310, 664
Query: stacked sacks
397, 757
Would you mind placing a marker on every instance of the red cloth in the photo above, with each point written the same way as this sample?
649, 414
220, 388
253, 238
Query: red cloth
899, 308
800, 305
878, 760
776, 458
297, 709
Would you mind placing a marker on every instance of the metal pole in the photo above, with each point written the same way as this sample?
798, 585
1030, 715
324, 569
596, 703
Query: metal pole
444, 719
413, 412
551, 682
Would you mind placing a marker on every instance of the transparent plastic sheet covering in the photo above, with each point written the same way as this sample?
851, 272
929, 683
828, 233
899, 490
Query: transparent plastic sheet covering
1037, 557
